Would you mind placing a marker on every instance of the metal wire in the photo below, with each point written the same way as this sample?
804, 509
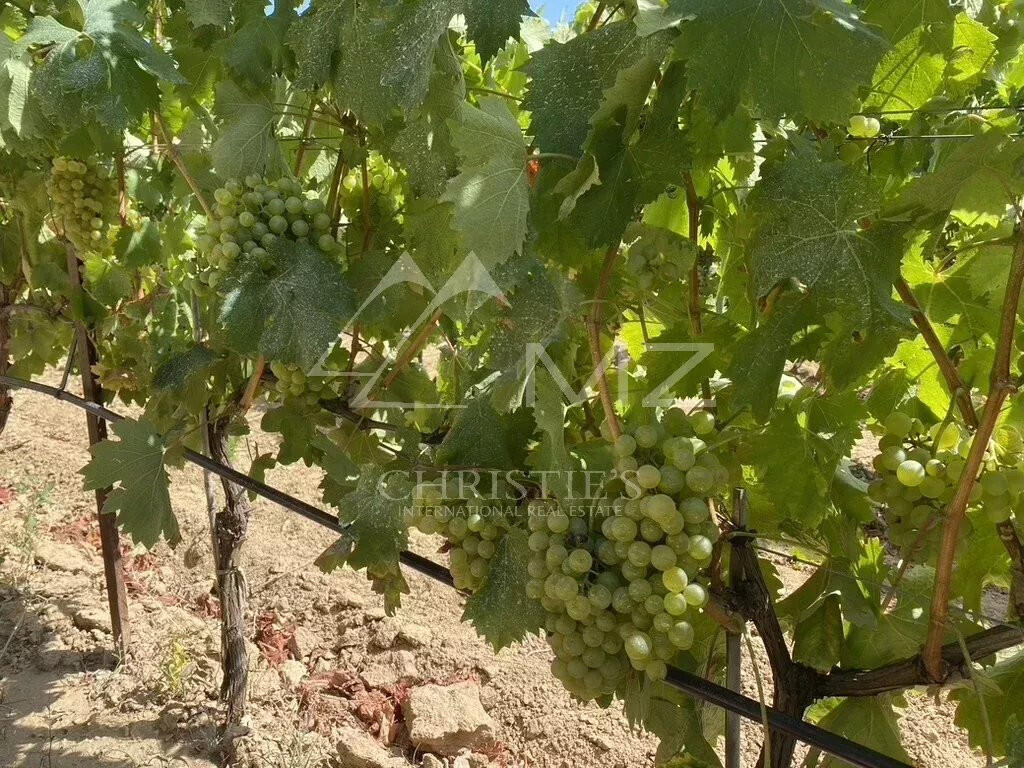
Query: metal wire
842, 748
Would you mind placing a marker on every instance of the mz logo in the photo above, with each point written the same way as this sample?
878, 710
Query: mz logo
472, 277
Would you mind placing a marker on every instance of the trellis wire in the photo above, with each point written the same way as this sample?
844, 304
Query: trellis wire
842, 748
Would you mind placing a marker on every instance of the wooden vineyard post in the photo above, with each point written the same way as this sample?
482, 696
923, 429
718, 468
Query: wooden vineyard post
113, 567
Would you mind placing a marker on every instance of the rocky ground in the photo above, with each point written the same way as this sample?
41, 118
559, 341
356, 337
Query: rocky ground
334, 681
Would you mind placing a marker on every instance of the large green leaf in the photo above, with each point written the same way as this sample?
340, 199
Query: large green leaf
787, 57
491, 23
292, 313
570, 81
135, 464
870, 721
492, 194
375, 514
500, 609
1001, 687
247, 143
384, 54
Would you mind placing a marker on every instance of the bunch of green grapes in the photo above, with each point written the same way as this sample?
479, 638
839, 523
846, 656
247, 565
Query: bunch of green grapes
250, 216
292, 381
84, 201
618, 589
471, 536
919, 470
376, 206
655, 258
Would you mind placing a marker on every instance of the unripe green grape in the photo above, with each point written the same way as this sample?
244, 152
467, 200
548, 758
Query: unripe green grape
694, 510
600, 596
653, 604
639, 590
648, 476
625, 445
278, 224
639, 554
538, 541
910, 473
700, 480
674, 579
672, 479
898, 424
892, 457
646, 436
579, 561
700, 548
681, 635
674, 603
638, 646
663, 557
650, 531
695, 594
300, 228
703, 423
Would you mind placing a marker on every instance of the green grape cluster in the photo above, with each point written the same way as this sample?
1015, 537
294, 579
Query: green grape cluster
249, 216
381, 201
292, 381
919, 469
471, 537
84, 199
652, 261
618, 589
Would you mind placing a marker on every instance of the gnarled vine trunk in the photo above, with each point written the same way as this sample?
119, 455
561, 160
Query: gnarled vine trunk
230, 531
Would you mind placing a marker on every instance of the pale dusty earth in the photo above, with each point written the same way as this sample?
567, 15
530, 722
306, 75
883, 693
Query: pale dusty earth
65, 703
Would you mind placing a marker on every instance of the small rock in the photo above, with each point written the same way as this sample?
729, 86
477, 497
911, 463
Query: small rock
63, 557
293, 672
376, 613
302, 643
358, 749
432, 761
384, 633
414, 635
461, 762
89, 618
600, 741
346, 599
446, 719
389, 670
476, 760
490, 698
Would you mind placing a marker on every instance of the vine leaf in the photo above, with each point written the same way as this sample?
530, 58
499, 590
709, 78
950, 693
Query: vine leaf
490, 24
788, 57
868, 721
1001, 686
674, 718
384, 54
135, 464
481, 437
574, 83
977, 176
492, 194
898, 18
247, 143
817, 253
377, 531
216, 13
178, 371
818, 637
291, 314
500, 610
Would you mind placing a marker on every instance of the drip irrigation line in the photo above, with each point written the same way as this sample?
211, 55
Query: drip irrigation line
417, 562
849, 751
686, 682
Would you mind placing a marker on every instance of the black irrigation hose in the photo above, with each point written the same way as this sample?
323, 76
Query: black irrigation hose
842, 748
846, 750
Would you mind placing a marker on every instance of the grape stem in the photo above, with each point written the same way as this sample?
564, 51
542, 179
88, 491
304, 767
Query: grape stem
693, 206
593, 322
307, 127
598, 12
179, 163
958, 389
1000, 387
